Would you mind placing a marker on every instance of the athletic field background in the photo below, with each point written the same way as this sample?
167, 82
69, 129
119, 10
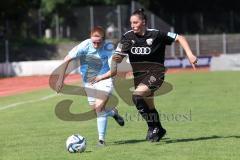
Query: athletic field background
201, 115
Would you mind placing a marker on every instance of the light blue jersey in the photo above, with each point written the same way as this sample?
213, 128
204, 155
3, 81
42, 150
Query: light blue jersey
93, 61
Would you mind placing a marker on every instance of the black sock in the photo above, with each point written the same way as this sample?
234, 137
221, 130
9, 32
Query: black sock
153, 114
143, 109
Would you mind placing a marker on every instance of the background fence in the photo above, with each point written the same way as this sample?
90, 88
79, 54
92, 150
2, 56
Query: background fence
116, 21
208, 45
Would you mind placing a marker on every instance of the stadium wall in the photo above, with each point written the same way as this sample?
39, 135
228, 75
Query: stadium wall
29, 68
225, 62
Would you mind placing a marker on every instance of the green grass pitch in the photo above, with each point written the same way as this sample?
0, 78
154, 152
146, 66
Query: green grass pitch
201, 115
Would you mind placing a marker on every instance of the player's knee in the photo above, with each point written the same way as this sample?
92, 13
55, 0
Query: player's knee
98, 108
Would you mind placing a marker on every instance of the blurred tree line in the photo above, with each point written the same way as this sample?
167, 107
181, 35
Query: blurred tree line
187, 16
201, 16
16, 15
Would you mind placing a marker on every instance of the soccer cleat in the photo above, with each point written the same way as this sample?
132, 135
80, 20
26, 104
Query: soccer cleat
157, 134
149, 134
119, 119
101, 143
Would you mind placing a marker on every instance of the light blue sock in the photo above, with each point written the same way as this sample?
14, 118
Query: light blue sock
110, 112
102, 124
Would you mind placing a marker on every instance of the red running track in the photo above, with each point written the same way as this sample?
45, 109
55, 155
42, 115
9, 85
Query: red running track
17, 85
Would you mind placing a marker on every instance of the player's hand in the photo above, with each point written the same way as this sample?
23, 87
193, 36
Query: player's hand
59, 85
95, 79
193, 60
117, 58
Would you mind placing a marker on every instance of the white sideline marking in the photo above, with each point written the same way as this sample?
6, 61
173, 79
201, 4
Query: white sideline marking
25, 102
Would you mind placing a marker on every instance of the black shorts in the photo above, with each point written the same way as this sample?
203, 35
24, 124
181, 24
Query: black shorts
153, 80
149, 73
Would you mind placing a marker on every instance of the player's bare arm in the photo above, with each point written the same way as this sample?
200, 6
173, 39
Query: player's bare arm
61, 75
191, 57
117, 58
112, 72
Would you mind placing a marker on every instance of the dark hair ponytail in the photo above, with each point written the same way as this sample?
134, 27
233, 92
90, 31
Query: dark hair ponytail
141, 14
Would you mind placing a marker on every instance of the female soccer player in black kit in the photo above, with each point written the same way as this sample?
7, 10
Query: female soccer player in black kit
146, 51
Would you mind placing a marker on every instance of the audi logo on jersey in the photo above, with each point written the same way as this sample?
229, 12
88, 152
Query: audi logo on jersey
140, 50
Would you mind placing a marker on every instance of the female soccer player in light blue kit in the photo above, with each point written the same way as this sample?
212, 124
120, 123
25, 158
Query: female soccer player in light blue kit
94, 56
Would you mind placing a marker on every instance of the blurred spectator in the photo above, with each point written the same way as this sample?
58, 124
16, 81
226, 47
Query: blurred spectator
111, 31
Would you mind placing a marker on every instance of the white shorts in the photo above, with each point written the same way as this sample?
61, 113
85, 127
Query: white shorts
101, 87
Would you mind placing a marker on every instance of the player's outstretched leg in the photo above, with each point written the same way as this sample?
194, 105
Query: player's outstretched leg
143, 109
157, 134
118, 118
102, 127
149, 133
158, 131
113, 112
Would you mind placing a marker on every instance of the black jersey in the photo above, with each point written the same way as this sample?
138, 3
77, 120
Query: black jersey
147, 48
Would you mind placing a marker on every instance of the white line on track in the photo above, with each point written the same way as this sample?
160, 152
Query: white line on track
25, 102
